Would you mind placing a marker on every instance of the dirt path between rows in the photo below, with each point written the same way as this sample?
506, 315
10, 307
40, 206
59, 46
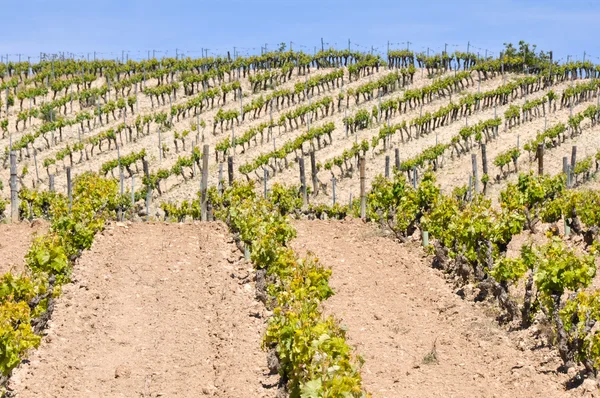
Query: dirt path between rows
15, 241
397, 308
156, 310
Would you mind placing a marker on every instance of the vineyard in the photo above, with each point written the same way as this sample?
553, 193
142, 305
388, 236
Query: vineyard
334, 224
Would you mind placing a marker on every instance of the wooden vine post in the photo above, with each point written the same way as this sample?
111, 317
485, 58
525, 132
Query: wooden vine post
475, 179
485, 167
265, 180
37, 174
363, 197
132, 195
204, 184
540, 156
193, 163
415, 177
220, 183
14, 193
397, 160
387, 166
333, 189
230, 170
148, 188
313, 172
573, 157
70, 189
303, 182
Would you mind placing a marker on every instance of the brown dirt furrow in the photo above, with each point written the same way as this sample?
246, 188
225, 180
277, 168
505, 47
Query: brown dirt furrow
397, 309
15, 240
155, 310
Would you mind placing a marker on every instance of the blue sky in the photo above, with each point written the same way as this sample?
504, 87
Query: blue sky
110, 26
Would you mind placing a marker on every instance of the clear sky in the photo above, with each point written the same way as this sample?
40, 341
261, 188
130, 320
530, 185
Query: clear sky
110, 26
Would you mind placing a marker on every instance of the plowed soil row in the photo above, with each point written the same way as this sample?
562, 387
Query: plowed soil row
417, 337
155, 310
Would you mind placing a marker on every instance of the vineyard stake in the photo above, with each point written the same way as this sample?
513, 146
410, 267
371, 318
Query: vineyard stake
540, 156
573, 157
425, 235
266, 177
230, 170
474, 165
132, 194
363, 198
565, 165
414, 181
387, 166
51, 182
303, 182
397, 160
122, 184
333, 189
37, 175
69, 189
220, 183
193, 163
313, 172
148, 188
484, 164
204, 183
14, 193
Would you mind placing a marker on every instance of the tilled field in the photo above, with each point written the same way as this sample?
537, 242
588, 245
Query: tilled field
417, 337
155, 310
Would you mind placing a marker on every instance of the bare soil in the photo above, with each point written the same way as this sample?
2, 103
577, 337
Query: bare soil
155, 310
15, 240
417, 337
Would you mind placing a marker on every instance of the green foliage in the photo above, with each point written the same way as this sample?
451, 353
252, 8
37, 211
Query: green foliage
287, 199
530, 196
23, 298
37, 204
16, 334
560, 269
46, 255
178, 212
579, 315
337, 211
313, 353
